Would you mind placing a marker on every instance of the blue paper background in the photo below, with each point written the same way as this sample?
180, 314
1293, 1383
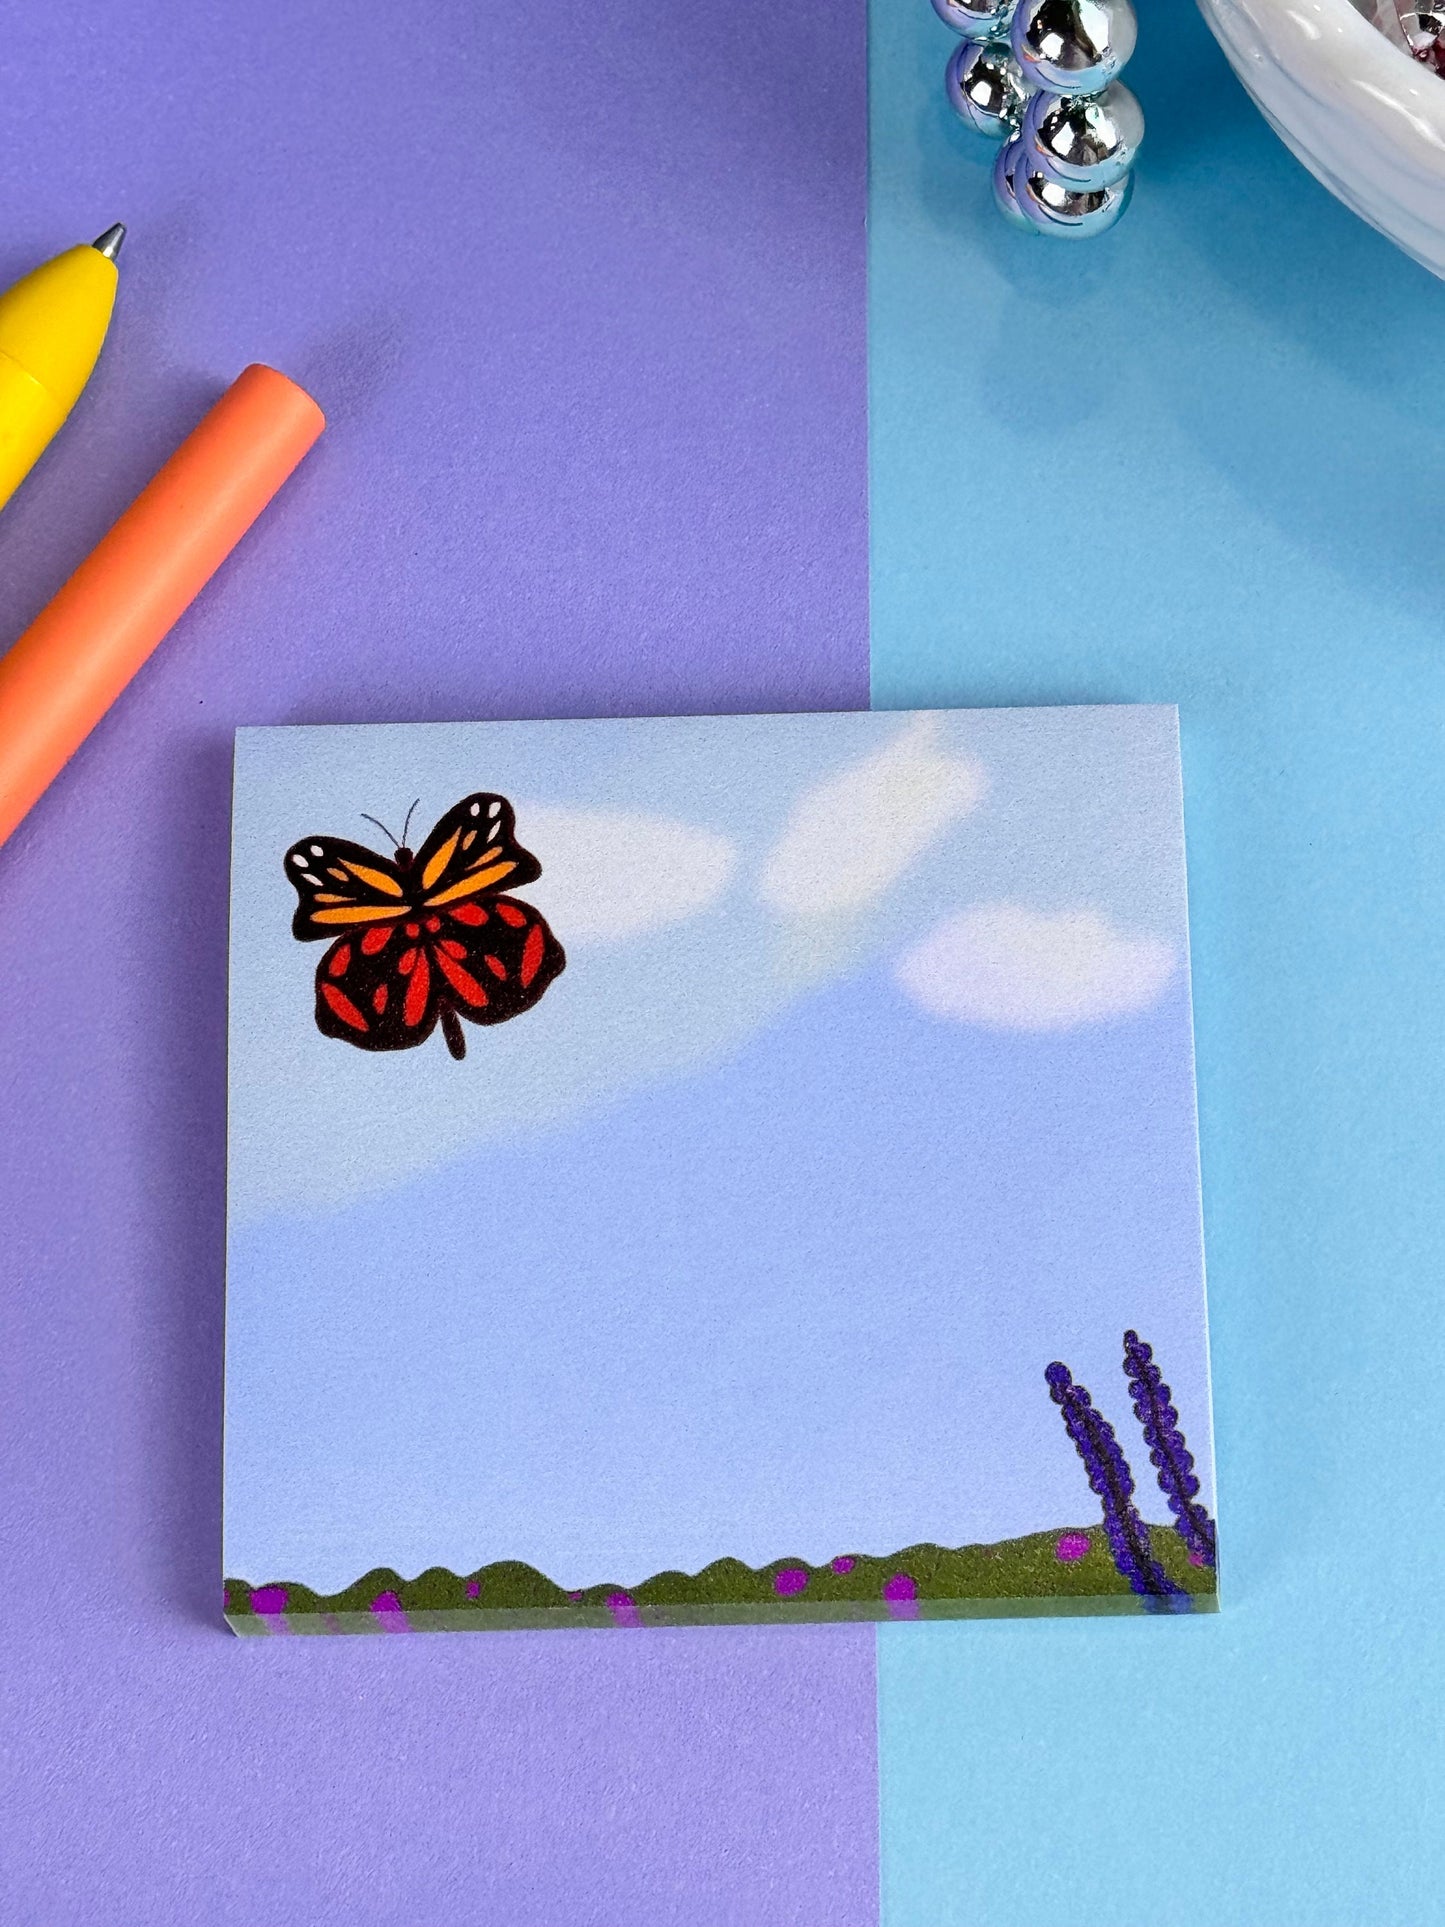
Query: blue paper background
1197, 461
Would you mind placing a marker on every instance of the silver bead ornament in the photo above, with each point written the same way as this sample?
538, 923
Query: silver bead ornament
976, 19
1062, 211
1073, 46
1083, 141
985, 89
1012, 157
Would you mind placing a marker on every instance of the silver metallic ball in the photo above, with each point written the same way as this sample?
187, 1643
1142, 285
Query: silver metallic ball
1073, 46
1063, 211
985, 89
1007, 177
976, 19
1083, 141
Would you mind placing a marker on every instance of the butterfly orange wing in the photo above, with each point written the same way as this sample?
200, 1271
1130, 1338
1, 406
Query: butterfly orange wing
341, 887
472, 853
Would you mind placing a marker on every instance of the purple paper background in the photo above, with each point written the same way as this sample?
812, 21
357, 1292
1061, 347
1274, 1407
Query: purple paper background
583, 293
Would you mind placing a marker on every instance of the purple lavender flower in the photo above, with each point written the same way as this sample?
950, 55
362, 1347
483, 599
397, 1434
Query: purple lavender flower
1168, 1454
1111, 1479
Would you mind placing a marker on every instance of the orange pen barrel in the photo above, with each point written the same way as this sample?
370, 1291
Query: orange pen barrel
83, 648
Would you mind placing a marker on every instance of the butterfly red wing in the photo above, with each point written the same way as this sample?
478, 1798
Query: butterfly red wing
496, 958
376, 988
386, 987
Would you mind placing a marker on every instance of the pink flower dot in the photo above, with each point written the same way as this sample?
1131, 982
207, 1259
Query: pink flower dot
845, 1564
791, 1580
1071, 1546
1196, 1559
386, 1602
474, 1589
269, 1599
901, 1586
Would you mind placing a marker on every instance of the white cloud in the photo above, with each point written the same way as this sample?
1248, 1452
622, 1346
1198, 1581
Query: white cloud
609, 875
857, 831
1014, 969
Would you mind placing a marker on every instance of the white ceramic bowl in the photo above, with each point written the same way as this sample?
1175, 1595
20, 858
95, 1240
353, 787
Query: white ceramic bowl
1362, 116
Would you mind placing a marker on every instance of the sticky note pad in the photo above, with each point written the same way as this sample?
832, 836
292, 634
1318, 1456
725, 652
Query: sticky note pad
713, 1169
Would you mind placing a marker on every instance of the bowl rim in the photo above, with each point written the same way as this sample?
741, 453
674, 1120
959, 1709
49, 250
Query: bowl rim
1349, 6
1330, 45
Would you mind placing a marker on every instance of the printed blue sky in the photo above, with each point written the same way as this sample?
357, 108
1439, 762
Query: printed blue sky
867, 1091
702, 874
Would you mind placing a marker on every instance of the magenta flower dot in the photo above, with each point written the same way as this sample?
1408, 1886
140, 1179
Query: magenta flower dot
791, 1580
574, 1596
1071, 1546
386, 1602
901, 1586
474, 1589
845, 1564
269, 1599
1196, 1559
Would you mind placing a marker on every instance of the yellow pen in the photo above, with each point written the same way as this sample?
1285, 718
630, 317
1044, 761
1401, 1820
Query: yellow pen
52, 329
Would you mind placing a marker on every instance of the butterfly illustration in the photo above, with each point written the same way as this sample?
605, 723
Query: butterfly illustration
425, 938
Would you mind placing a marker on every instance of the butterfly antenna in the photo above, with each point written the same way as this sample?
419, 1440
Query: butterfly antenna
382, 827
406, 827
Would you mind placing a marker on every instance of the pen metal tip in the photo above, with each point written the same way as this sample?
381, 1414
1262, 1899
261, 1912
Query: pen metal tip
108, 243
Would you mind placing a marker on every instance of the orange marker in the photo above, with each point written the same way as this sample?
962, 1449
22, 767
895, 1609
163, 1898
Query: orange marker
83, 648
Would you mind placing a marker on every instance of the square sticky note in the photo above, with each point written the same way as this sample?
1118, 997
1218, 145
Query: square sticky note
713, 1169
